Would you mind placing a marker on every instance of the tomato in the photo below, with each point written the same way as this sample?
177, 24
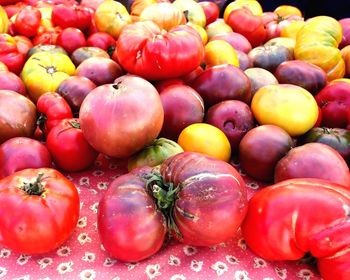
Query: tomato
217, 27
11, 81
154, 154
71, 39
192, 11
43, 72
236, 40
83, 53
28, 21
145, 50
17, 115
101, 40
47, 37
243, 21
4, 21
45, 48
19, 153
220, 52
290, 107
127, 211
111, 17
252, 5
288, 209
210, 200
10, 55
200, 30
211, 11
194, 138
71, 16
23, 43
286, 10
40, 209
108, 110
69, 149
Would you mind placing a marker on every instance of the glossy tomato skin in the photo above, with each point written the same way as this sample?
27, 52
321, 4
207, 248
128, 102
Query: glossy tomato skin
40, 222
128, 212
101, 40
211, 11
145, 50
28, 21
19, 153
71, 39
211, 202
288, 209
69, 149
108, 110
71, 16
11, 81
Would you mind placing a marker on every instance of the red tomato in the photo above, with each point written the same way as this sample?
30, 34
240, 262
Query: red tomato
13, 8
71, 39
103, 41
128, 211
211, 200
19, 153
71, 16
28, 21
9, 54
49, 37
23, 44
122, 118
69, 149
211, 11
154, 54
252, 27
39, 210
282, 224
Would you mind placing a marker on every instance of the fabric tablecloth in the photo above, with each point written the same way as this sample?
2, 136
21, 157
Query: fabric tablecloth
83, 256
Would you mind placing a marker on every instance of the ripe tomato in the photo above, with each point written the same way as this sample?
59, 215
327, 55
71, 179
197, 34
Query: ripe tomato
195, 138
220, 52
69, 149
211, 11
101, 40
28, 21
71, 39
71, 16
39, 210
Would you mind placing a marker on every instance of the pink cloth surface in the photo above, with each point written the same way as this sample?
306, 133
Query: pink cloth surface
83, 257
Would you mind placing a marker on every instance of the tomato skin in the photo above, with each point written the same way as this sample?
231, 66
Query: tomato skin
47, 37
127, 211
71, 39
19, 153
24, 44
101, 40
36, 224
9, 54
28, 21
212, 200
288, 209
168, 55
71, 16
69, 149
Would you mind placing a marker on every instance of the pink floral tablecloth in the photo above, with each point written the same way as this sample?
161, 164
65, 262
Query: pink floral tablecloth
83, 257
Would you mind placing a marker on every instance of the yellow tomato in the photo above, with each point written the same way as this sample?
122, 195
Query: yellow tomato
220, 52
292, 29
206, 139
345, 53
201, 31
287, 10
44, 72
4, 21
252, 5
217, 27
111, 17
193, 11
288, 106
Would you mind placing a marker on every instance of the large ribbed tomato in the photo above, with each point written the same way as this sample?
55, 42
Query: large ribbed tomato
146, 50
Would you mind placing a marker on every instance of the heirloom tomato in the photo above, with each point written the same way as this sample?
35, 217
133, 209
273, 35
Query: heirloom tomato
24, 44
11, 81
39, 210
192, 11
4, 21
253, 5
287, 209
28, 21
211, 11
10, 55
101, 40
76, 16
220, 52
71, 39
154, 54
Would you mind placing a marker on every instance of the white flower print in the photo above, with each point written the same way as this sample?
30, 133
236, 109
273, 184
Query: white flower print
84, 181
23, 259
196, 265
98, 173
82, 222
87, 274
44, 262
242, 244
189, 250
5, 253
83, 238
305, 274
63, 251
3, 271
108, 262
232, 259
65, 267
89, 257
152, 270
178, 277
25, 277
131, 266
281, 273
252, 185
220, 268
173, 260
241, 275
102, 185
259, 263
94, 207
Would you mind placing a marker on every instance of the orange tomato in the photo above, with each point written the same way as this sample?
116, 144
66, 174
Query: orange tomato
252, 5
292, 29
206, 139
220, 52
4, 21
345, 52
286, 10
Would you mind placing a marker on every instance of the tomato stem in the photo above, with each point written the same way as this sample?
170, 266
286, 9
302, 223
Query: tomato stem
35, 188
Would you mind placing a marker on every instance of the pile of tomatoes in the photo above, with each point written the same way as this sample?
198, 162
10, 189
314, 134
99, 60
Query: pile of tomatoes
180, 93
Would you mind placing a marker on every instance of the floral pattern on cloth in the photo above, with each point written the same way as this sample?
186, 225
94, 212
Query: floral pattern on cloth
83, 257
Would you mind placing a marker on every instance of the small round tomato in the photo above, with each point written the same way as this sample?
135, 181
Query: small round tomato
220, 52
28, 21
101, 40
71, 16
71, 39
206, 139
69, 149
